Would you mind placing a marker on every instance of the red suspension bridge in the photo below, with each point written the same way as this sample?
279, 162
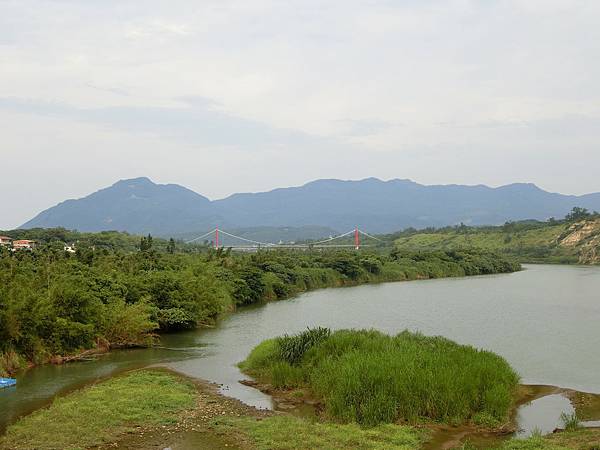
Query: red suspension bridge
248, 244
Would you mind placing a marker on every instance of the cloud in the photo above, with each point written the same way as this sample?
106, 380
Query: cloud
263, 93
364, 127
196, 122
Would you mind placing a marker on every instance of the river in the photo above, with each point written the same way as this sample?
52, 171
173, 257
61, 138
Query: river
544, 320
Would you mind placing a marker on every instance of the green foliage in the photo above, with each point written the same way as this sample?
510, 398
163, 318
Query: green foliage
292, 433
532, 443
527, 241
262, 357
146, 243
370, 378
56, 238
570, 421
127, 324
578, 214
171, 246
99, 414
174, 319
292, 348
249, 287
54, 303
10, 362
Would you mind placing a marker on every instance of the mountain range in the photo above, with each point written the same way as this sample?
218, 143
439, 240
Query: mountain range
141, 206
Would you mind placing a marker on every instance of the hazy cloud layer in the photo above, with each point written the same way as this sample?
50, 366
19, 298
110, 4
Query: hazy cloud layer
225, 96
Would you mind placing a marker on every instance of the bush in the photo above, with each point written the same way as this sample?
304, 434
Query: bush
10, 362
128, 324
174, 319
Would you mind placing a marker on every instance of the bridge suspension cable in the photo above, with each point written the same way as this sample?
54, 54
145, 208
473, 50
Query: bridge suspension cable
332, 238
369, 236
356, 231
266, 244
200, 237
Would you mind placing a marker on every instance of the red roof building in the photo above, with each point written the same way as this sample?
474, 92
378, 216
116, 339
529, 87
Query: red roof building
23, 244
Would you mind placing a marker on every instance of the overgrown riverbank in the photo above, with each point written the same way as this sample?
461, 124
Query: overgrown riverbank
54, 304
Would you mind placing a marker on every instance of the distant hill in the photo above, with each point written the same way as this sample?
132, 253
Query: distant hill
136, 205
141, 206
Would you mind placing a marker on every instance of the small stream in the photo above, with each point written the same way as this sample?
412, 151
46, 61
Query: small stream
543, 320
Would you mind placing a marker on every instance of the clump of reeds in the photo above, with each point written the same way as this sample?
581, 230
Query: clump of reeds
369, 377
570, 421
292, 348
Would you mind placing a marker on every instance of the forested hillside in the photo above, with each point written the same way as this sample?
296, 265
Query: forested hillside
573, 240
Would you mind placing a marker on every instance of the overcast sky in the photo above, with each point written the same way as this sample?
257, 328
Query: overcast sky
227, 96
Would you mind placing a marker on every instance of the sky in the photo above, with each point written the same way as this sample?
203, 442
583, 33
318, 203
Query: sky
232, 96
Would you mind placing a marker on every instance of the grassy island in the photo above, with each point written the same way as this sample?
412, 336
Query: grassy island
371, 378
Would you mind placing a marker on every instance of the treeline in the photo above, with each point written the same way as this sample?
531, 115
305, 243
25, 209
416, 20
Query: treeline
55, 303
57, 238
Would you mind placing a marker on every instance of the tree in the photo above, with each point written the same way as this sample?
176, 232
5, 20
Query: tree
146, 243
577, 213
171, 246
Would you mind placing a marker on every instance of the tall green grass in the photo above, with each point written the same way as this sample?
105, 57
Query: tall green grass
293, 348
293, 433
370, 378
570, 421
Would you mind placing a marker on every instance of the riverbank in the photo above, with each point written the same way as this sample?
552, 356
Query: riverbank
105, 300
157, 409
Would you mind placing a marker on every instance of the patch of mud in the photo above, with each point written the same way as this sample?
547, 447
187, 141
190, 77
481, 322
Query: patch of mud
297, 402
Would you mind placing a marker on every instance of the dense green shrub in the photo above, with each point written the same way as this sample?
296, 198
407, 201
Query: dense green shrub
370, 378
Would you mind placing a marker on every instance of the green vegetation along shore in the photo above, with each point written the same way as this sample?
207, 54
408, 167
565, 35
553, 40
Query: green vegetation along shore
370, 378
159, 409
55, 304
103, 412
559, 242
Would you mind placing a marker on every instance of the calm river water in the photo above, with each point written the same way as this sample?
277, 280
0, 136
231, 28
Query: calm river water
544, 320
